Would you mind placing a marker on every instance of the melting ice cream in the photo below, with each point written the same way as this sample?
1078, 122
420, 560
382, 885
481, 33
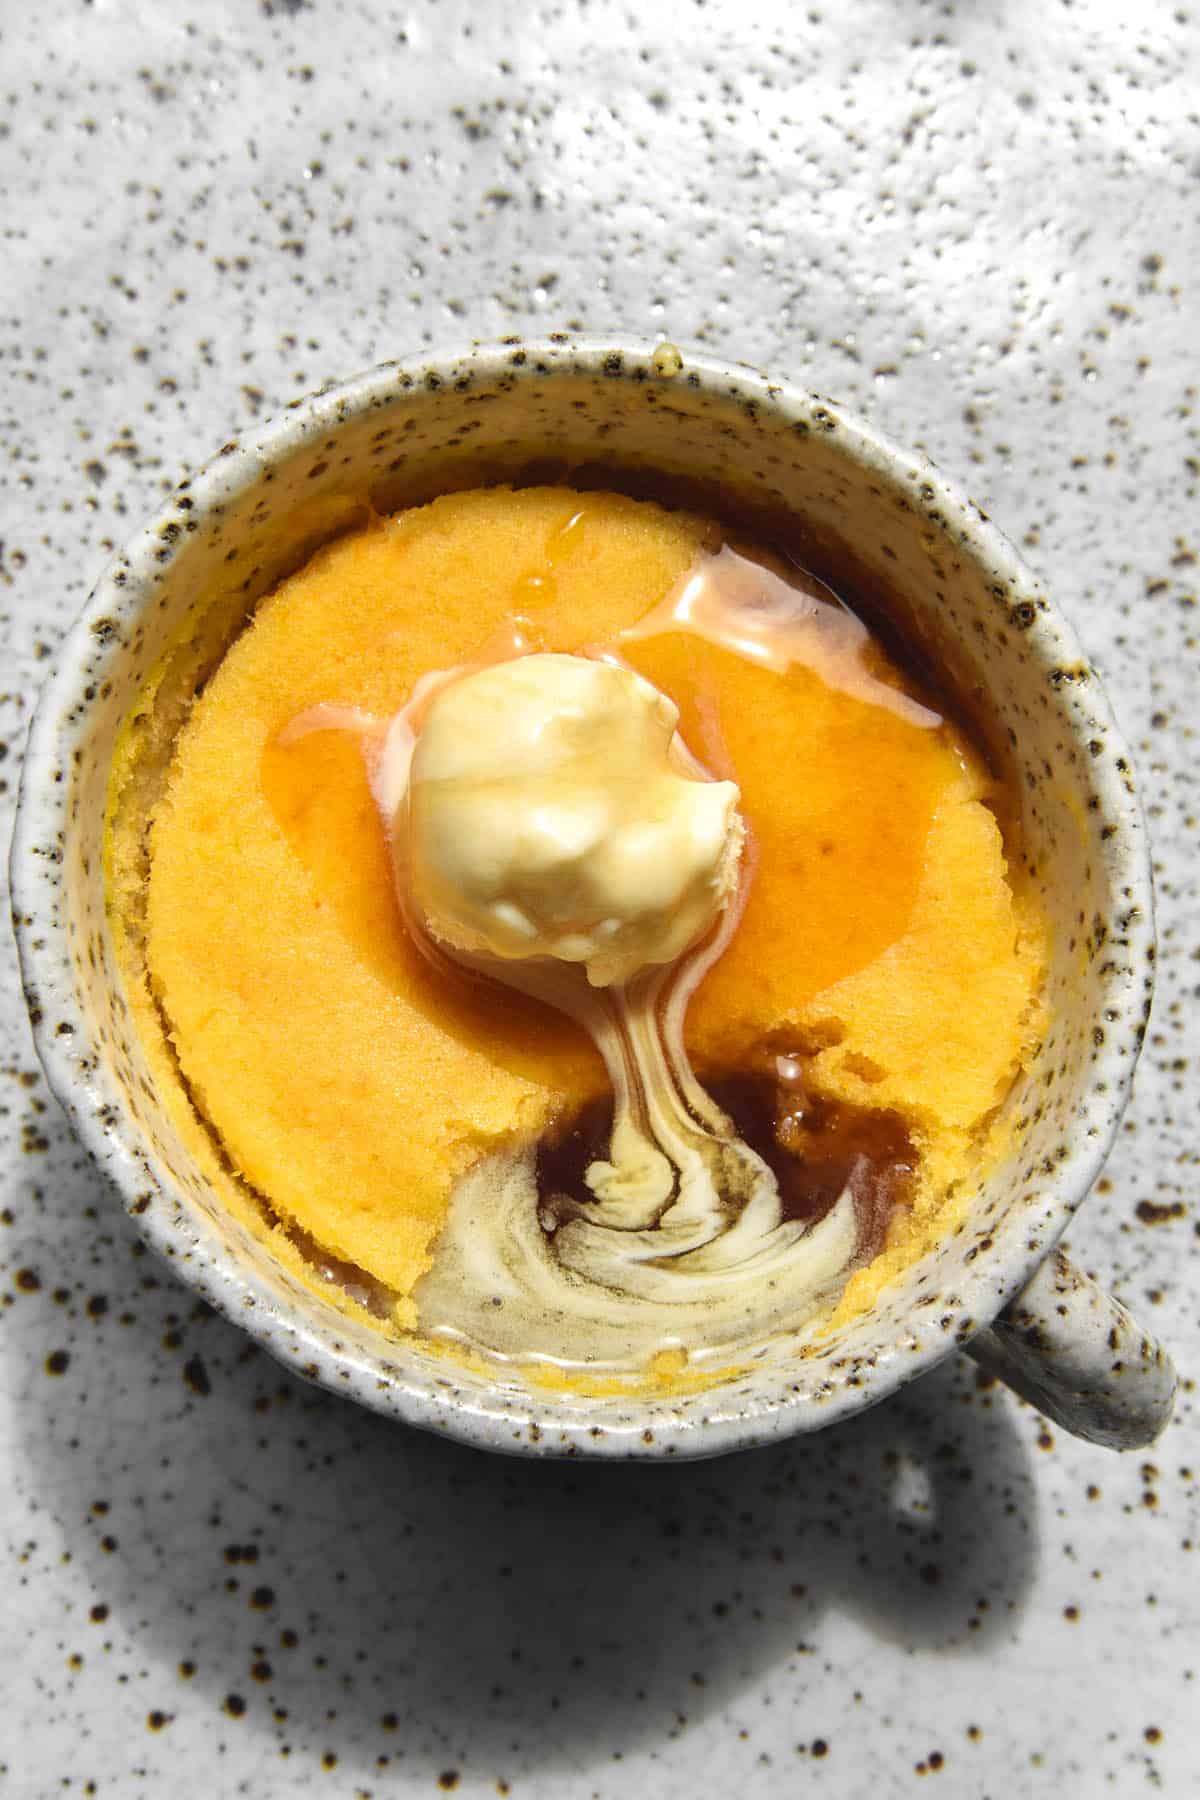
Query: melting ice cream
552, 813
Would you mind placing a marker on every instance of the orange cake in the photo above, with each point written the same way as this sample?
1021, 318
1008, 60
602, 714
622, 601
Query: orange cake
335, 1086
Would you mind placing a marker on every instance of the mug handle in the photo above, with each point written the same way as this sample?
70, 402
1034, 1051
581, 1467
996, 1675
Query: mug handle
1076, 1354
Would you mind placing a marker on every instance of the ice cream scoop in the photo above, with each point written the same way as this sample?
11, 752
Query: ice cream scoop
553, 812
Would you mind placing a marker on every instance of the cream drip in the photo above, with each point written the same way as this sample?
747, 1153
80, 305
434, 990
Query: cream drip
683, 1243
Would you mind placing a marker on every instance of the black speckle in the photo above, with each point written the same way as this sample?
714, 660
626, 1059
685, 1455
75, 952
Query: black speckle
1150, 1213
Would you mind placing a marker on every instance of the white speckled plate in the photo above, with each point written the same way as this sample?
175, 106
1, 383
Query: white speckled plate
978, 228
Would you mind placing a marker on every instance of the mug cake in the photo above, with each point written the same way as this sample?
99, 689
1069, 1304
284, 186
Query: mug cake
564, 931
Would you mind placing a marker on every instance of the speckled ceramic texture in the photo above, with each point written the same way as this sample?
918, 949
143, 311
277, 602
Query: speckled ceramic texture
961, 599
1081, 1358
974, 224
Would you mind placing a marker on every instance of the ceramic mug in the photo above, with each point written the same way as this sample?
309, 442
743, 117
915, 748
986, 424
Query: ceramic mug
960, 596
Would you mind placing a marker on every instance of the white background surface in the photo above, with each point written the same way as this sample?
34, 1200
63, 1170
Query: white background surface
977, 223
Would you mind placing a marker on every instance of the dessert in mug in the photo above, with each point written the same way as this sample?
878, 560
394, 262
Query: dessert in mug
558, 923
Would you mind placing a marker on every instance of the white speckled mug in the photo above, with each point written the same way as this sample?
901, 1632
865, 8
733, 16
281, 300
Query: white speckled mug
961, 597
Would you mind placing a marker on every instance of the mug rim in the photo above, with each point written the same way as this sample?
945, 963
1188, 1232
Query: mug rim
94, 1102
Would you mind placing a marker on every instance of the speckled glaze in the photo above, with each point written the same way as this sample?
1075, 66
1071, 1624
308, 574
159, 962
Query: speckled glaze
1053, 1339
404, 432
